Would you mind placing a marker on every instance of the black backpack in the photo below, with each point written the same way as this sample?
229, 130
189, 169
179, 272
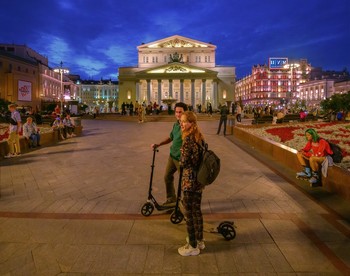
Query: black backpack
337, 155
209, 166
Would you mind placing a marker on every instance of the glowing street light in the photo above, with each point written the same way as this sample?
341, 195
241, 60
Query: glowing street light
62, 71
291, 66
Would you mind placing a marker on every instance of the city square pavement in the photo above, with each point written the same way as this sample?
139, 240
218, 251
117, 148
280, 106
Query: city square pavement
74, 208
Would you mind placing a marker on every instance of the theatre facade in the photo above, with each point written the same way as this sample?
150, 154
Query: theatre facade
180, 69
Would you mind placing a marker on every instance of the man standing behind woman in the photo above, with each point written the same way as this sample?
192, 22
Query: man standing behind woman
175, 138
191, 188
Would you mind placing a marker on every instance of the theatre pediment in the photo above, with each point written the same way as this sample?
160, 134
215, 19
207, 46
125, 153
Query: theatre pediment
176, 41
175, 67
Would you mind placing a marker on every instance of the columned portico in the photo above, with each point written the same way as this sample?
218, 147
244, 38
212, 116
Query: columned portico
182, 69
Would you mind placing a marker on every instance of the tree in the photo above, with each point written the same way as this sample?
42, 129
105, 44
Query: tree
337, 103
3, 105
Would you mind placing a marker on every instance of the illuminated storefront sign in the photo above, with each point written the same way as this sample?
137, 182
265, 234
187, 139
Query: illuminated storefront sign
24, 91
277, 63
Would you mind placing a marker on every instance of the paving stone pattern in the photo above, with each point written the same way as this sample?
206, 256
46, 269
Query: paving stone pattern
74, 208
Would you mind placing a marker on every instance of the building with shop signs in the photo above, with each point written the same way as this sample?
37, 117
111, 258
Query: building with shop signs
273, 84
27, 79
178, 68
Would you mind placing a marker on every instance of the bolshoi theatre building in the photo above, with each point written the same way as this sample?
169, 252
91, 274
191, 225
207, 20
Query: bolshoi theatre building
177, 68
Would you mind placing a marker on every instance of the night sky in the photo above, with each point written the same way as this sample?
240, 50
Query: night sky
95, 37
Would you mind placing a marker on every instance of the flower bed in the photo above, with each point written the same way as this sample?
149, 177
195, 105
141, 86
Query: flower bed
293, 135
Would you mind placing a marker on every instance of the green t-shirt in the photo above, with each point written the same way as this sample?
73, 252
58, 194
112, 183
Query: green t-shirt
175, 136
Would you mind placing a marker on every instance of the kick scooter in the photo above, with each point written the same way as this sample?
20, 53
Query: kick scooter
148, 208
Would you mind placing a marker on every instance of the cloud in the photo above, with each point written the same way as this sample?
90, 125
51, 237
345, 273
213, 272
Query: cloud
120, 54
94, 38
66, 4
89, 65
55, 48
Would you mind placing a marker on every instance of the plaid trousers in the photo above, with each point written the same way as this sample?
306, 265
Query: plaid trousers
194, 218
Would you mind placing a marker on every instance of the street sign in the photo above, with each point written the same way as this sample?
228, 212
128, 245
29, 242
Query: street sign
277, 63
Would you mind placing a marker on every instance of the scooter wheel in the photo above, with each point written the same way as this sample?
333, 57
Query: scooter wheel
227, 230
225, 222
176, 217
147, 209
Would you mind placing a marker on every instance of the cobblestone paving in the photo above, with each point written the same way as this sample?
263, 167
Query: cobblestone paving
74, 208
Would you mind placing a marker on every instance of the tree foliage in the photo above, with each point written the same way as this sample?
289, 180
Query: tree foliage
337, 102
3, 105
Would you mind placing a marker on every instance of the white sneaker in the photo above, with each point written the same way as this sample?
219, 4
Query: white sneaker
188, 250
10, 155
200, 244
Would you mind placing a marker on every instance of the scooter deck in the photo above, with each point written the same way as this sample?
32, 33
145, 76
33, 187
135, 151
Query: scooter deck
305, 178
225, 228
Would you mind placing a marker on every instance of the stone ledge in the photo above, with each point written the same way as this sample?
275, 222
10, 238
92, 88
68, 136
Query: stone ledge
46, 139
337, 180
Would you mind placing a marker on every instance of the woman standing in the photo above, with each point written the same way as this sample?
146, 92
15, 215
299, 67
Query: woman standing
192, 190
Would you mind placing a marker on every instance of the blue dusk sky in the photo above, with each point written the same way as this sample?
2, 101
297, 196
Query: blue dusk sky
95, 37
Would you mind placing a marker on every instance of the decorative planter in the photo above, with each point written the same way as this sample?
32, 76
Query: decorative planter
337, 181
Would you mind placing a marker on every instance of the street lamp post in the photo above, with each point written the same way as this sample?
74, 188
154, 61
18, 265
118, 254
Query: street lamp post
291, 66
62, 71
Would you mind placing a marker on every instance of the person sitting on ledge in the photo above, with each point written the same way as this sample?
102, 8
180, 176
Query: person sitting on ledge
279, 116
58, 125
312, 156
69, 126
31, 133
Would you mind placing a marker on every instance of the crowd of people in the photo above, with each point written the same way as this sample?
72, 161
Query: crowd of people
30, 131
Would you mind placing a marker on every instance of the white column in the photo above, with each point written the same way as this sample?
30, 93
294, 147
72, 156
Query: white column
159, 92
138, 96
215, 94
181, 90
148, 91
204, 92
193, 96
170, 88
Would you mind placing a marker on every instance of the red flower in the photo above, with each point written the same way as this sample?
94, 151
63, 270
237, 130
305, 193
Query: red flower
285, 133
